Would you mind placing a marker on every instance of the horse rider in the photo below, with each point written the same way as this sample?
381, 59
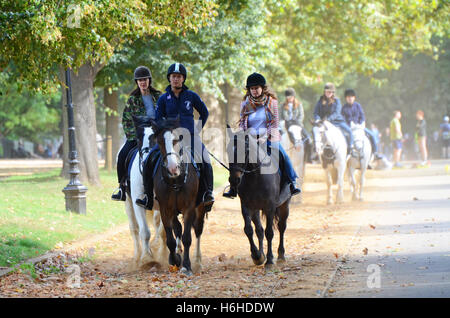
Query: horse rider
179, 101
259, 115
329, 107
142, 101
353, 112
293, 114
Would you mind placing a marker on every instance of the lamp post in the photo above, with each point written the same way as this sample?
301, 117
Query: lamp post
75, 192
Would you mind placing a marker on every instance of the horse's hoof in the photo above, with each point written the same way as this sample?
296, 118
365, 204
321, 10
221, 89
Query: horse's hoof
269, 266
361, 200
329, 202
281, 260
260, 260
186, 271
175, 260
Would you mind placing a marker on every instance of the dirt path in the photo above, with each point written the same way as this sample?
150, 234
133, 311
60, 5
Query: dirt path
317, 239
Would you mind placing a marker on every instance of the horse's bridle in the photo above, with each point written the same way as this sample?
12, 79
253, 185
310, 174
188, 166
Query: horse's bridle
183, 172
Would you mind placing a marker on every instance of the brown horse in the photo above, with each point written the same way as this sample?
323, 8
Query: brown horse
176, 186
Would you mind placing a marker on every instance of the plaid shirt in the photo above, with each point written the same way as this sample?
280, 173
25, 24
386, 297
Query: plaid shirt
272, 122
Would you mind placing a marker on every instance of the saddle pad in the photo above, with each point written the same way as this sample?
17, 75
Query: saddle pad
130, 159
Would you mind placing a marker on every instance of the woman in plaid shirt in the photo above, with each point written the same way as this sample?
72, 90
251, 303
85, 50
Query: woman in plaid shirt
259, 116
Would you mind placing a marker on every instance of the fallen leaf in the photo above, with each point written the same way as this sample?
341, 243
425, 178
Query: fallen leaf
173, 269
336, 255
365, 251
372, 226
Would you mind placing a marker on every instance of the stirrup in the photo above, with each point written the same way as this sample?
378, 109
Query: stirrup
231, 194
119, 195
144, 202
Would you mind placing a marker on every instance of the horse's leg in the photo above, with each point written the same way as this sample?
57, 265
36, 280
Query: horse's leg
351, 174
178, 231
329, 179
283, 213
189, 217
198, 229
255, 216
137, 188
361, 181
174, 258
269, 237
134, 230
160, 238
340, 182
248, 230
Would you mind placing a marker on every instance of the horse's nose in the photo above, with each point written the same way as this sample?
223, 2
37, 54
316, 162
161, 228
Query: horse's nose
172, 166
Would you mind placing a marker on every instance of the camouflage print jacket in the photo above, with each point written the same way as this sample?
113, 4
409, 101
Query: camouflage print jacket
135, 107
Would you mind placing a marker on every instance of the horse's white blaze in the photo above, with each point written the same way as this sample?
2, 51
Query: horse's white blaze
172, 160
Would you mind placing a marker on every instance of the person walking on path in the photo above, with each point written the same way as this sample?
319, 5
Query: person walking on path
444, 133
421, 133
396, 138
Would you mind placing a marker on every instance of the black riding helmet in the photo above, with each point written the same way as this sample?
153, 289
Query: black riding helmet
349, 92
177, 68
142, 72
255, 79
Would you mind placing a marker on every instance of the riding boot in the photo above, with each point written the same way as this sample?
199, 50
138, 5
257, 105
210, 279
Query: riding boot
232, 193
294, 189
120, 195
208, 177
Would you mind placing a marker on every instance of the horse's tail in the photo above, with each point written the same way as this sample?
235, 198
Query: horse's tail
276, 218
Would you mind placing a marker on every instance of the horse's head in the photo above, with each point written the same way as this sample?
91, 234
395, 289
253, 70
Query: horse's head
167, 138
144, 132
239, 147
319, 136
358, 134
295, 132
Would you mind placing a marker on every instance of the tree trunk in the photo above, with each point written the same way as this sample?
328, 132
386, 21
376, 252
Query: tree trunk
110, 101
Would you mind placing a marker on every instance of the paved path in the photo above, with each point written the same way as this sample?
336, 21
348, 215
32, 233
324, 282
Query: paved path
406, 235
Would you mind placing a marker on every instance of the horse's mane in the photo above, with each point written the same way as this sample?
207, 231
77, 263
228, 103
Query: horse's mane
164, 124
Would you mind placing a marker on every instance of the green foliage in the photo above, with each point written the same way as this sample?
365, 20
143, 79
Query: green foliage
420, 83
226, 50
321, 41
36, 35
27, 114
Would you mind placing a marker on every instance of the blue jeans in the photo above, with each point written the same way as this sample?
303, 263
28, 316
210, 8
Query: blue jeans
288, 169
373, 139
347, 131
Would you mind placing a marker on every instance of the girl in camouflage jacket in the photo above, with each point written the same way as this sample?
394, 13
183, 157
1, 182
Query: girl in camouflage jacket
142, 101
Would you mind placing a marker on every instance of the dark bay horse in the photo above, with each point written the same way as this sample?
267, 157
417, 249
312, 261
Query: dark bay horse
176, 186
258, 184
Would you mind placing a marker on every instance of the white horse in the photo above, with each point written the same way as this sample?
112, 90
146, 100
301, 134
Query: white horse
364, 150
138, 216
330, 144
295, 148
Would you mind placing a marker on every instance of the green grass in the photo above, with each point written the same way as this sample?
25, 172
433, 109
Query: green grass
33, 219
